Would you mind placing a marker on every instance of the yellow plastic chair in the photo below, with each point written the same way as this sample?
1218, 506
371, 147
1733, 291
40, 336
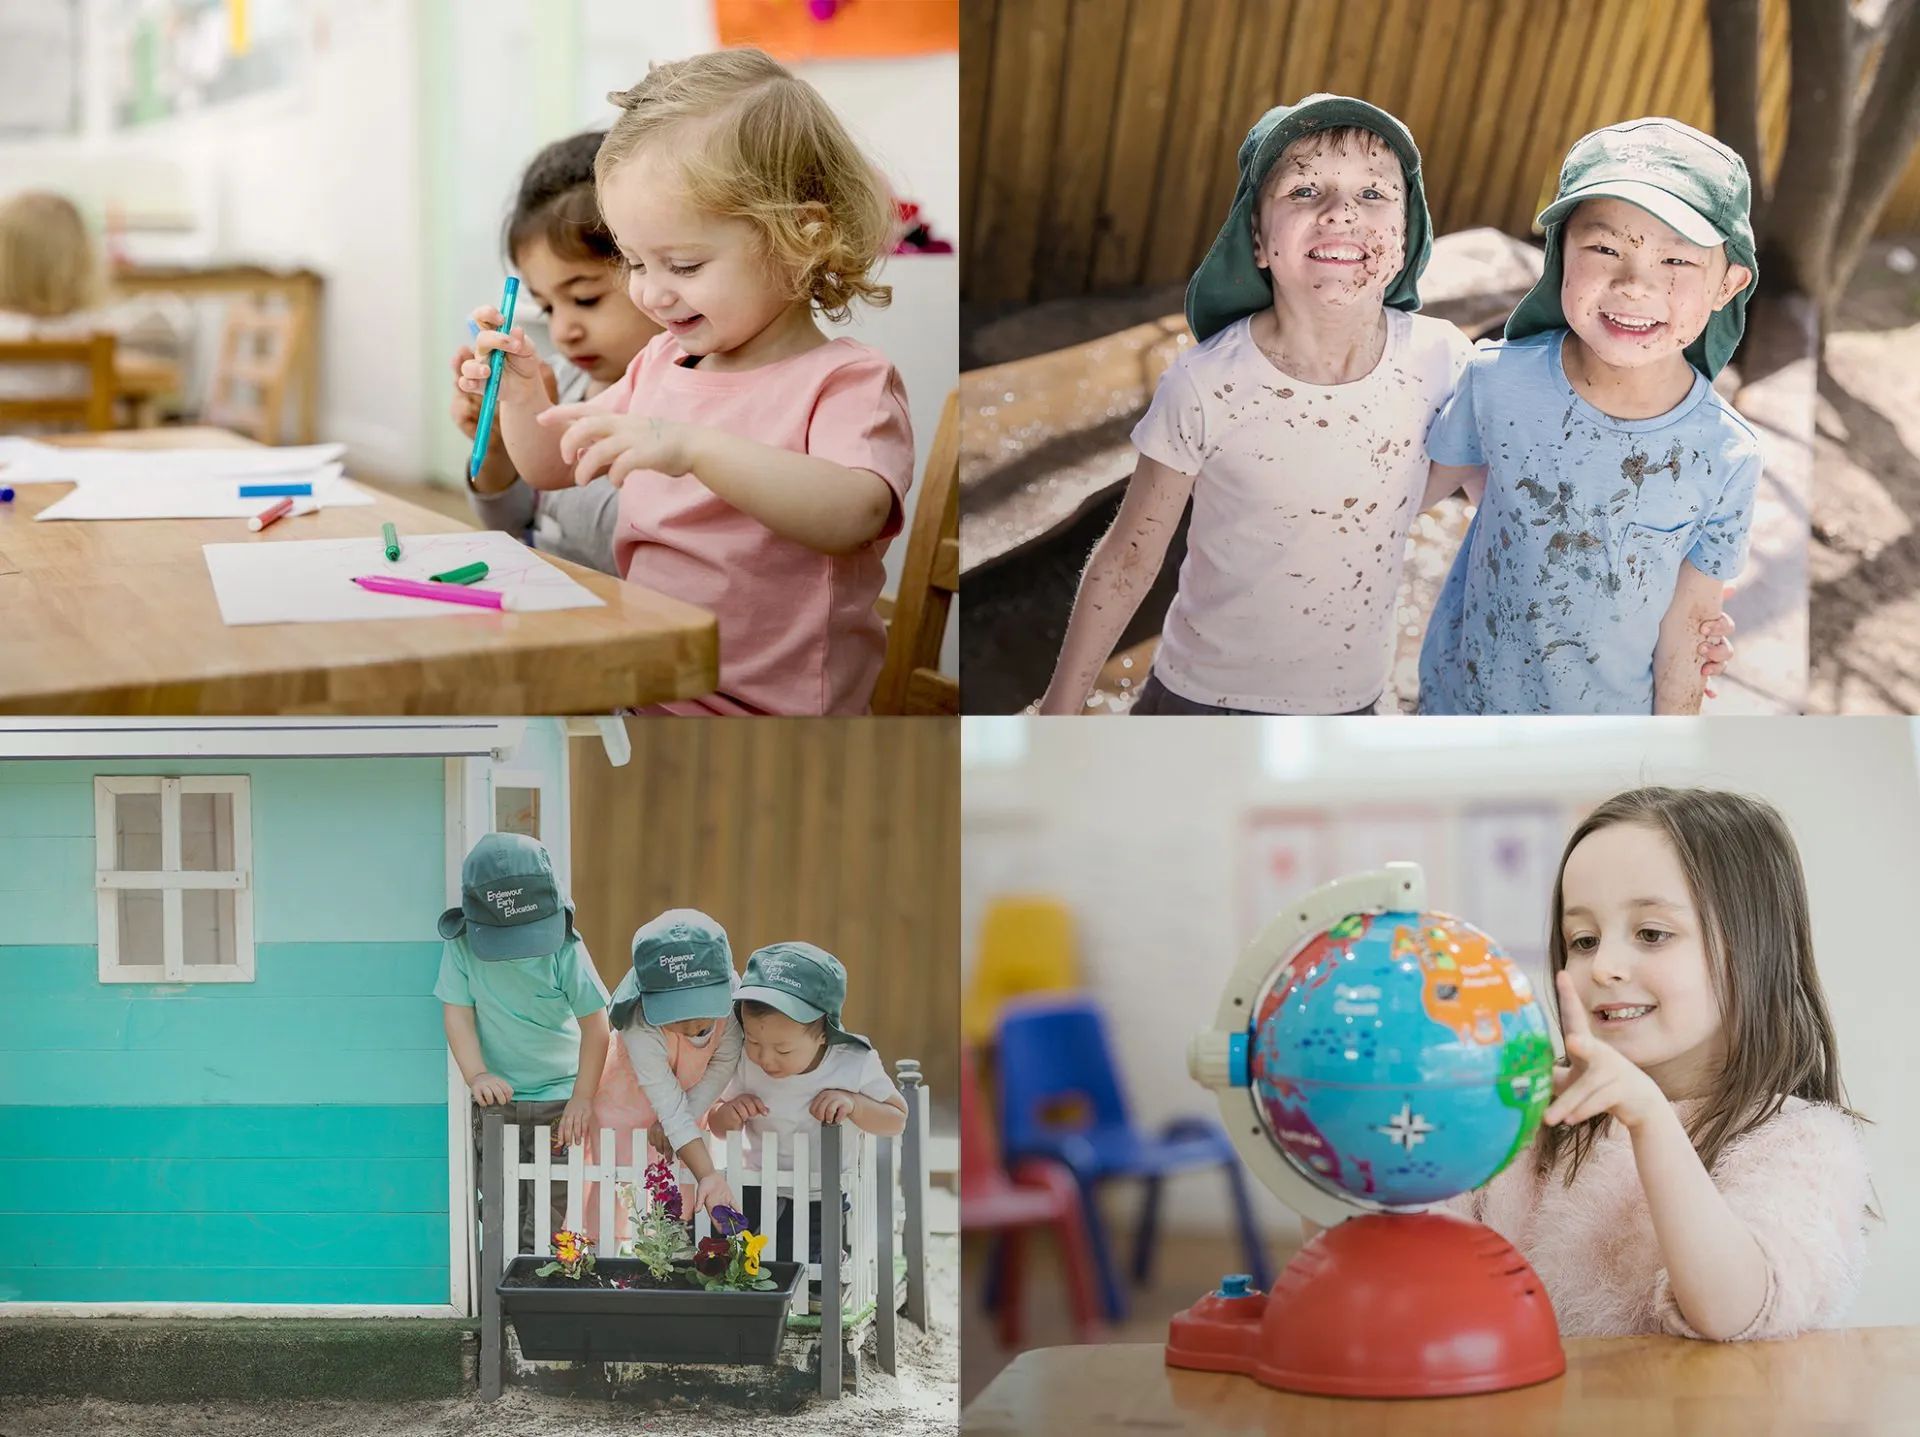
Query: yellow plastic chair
1026, 946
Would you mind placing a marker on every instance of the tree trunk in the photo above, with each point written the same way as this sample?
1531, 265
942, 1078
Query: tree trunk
1733, 28
1888, 130
1797, 249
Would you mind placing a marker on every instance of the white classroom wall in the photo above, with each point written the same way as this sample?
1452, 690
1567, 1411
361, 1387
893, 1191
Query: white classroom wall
323, 174
1138, 829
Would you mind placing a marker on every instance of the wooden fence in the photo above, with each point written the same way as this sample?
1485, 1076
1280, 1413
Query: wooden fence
1098, 136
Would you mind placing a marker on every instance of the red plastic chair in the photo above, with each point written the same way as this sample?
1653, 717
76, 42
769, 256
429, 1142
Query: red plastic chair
1039, 1192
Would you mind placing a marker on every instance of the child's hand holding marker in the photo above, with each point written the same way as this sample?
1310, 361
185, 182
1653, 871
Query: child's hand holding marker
596, 442
520, 377
1599, 1080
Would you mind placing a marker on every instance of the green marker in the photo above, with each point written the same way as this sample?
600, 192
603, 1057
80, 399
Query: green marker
392, 536
466, 574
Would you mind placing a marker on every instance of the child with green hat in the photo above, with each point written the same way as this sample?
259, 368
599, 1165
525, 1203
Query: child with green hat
679, 1044
801, 1068
524, 1012
1619, 486
1297, 423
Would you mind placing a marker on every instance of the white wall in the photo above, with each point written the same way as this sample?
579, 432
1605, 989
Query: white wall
1135, 825
324, 175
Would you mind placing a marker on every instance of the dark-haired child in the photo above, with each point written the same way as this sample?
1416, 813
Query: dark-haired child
556, 241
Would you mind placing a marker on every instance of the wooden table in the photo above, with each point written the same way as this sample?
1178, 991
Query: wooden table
301, 289
1861, 1380
119, 617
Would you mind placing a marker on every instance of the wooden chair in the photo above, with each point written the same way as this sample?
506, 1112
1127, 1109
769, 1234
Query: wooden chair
91, 410
258, 347
910, 679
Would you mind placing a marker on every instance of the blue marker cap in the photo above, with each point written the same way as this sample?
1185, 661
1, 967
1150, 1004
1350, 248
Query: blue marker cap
6, 494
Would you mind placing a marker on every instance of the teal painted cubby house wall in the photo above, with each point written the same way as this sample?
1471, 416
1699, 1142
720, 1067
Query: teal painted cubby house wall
278, 1141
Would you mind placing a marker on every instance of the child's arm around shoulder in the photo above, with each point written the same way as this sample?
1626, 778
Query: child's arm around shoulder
1678, 685
1446, 480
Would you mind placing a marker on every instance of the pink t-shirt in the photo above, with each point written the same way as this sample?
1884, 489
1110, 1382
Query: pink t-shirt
798, 630
1799, 1182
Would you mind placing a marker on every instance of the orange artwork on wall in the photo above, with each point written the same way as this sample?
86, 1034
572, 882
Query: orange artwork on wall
792, 30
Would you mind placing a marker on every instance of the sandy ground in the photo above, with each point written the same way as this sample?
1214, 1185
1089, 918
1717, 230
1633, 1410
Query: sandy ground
923, 1399
1865, 566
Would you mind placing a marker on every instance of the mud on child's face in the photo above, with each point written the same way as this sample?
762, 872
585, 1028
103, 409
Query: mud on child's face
1635, 290
1331, 221
780, 1046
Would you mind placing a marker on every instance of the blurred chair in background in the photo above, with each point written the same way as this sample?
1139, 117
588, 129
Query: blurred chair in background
48, 384
1038, 1193
1060, 1098
1026, 947
258, 346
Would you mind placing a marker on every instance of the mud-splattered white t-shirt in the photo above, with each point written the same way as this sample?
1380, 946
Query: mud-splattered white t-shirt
1554, 602
1301, 506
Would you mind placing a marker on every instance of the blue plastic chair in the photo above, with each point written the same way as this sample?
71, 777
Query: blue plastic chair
1060, 1098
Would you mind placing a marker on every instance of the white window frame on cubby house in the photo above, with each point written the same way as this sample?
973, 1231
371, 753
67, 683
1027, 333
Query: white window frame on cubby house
171, 881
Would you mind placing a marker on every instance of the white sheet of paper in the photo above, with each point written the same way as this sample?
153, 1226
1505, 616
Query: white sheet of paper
198, 497
310, 581
23, 460
30, 463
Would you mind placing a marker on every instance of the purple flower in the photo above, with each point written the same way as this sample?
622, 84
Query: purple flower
728, 1220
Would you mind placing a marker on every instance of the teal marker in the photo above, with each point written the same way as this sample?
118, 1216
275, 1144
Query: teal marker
493, 381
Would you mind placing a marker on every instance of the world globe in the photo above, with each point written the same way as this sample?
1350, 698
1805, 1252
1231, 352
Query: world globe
1400, 1058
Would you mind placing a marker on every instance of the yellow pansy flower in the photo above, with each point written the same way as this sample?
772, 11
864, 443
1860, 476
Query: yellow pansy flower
754, 1241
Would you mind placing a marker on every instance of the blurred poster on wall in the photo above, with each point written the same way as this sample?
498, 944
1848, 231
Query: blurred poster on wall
792, 30
1509, 854
1369, 838
1286, 852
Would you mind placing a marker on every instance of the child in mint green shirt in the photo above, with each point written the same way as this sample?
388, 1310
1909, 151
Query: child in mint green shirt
525, 1013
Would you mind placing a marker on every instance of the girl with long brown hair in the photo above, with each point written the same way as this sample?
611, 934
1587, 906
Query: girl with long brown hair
1699, 1171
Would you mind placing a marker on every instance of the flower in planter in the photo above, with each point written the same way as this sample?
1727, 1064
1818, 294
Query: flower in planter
713, 1257
728, 1220
751, 1243
660, 1236
663, 1189
572, 1255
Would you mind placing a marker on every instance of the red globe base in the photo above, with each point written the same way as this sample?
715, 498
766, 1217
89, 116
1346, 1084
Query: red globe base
1387, 1305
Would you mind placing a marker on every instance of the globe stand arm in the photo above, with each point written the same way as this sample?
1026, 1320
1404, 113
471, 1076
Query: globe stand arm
1211, 1055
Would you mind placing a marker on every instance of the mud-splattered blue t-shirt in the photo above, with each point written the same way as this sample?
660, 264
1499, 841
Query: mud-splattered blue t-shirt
1554, 602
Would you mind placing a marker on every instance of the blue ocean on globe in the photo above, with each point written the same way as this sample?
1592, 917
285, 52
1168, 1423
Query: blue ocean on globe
1401, 1058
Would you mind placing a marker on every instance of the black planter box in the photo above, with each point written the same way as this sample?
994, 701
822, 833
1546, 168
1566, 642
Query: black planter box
646, 1324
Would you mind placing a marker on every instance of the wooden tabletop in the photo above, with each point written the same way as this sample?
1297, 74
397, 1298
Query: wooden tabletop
1861, 1380
119, 617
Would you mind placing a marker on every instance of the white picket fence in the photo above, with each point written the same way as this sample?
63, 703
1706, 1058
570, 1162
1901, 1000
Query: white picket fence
886, 1185
798, 1154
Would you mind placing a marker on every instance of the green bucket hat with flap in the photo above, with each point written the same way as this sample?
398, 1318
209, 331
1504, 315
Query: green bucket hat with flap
682, 968
804, 982
510, 902
1684, 178
1228, 285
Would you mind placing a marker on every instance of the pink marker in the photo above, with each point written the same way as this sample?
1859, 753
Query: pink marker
267, 516
445, 593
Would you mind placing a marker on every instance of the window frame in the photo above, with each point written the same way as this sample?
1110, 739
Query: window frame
170, 880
